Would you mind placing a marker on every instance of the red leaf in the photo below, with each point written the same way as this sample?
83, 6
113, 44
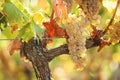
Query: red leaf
49, 29
14, 45
59, 32
53, 29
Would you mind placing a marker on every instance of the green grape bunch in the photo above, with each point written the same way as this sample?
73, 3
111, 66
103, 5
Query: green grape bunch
90, 8
77, 39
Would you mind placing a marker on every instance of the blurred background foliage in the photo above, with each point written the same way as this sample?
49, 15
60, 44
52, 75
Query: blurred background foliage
104, 65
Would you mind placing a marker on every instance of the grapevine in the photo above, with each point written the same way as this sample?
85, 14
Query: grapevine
76, 21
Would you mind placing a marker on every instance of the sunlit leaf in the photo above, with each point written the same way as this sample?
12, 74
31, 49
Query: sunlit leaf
26, 32
13, 13
7, 32
38, 18
37, 28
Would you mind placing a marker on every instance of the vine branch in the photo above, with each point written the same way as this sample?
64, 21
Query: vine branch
113, 16
40, 57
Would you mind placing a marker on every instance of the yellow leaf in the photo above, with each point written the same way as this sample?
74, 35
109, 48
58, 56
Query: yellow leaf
38, 18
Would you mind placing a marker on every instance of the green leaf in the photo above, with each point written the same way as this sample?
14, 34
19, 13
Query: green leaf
7, 32
26, 32
13, 13
37, 29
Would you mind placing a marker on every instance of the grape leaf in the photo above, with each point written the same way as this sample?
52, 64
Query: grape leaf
14, 45
50, 32
26, 32
7, 32
37, 28
38, 18
54, 30
13, 13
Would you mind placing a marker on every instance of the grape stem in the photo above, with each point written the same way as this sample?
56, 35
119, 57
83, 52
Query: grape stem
111, 21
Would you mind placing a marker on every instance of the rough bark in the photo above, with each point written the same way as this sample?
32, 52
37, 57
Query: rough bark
34, 52
40, 57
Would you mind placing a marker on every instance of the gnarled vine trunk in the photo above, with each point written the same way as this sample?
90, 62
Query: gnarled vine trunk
40, 57
34, 52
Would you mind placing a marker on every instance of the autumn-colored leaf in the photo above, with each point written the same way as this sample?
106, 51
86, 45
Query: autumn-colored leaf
50, 32
54, 30
14, 45
60, 8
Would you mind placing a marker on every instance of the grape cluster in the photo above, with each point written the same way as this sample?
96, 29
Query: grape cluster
77, 39
90, 8
69, 5
114, 33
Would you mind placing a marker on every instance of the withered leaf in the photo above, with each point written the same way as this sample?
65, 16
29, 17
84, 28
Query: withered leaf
14, 45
